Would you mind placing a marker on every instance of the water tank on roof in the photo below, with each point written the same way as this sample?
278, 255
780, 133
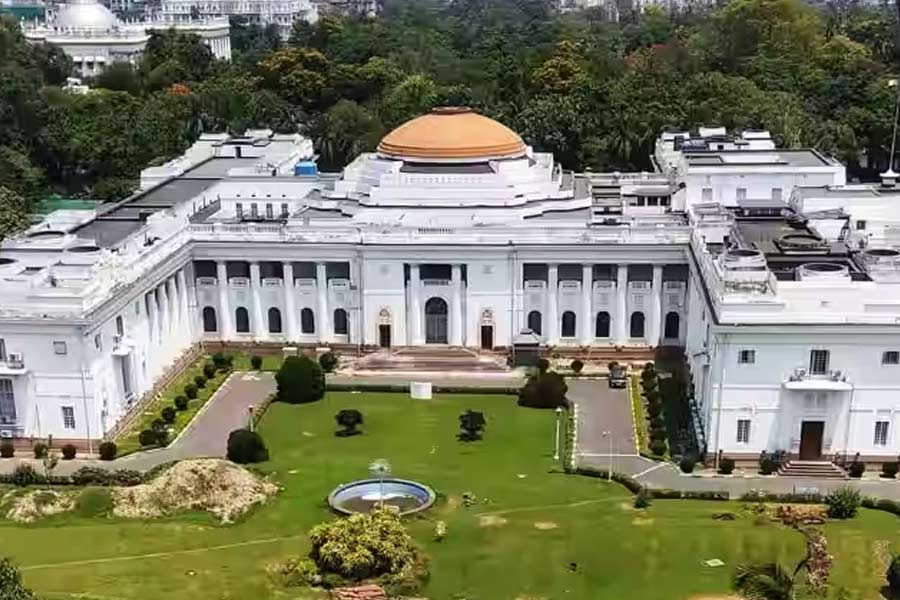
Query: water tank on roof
306, 168
822, 271
744, 259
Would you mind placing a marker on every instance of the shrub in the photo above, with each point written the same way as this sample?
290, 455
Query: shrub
658, 447
643, 499
190, 390
767, 466
256, 362
472, 424
889, 470
726, 466
24, 474
654, 409
658, 434
245, 447
893, 577
93, 502
7, 450
543, 365
687, 464
11, 586
200, 381
219, 361
298, 572
349, 419
40, 450
69, 451
363, 546
160, 431
649, 385
86, 476
168, 414
658, 423
181, 402
577, 366
300, 380
856, 469
147, 437
547, 389
108, 450
328, 361
843, 503
209, 370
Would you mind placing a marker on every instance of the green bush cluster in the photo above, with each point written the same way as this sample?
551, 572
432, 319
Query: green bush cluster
223, 362
181, 403
191, 391
200, 381
168, 414
246, 447
108, 450
209, 370
544, 389
7, 450
856, 469
655, 411
889, 470
40, 450
69, 451
93, 502
256, 362
156, 435
349, 419
726, 466
300, 380
24, 474
577, 366
329, 361
843, 503
687, 464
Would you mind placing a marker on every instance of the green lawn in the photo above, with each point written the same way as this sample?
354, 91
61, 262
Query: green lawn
493, 551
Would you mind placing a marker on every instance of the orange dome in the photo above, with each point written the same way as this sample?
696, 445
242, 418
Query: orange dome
452, 133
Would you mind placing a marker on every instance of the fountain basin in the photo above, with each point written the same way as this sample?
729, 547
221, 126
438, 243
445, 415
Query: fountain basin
364, 495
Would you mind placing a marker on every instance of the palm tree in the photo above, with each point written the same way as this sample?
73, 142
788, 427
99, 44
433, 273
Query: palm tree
768, 581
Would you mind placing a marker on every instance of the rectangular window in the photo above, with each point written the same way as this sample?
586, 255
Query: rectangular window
861, 225
254, 210
881, 433
270, 212
891, 357
818, 362
68, 416
747, 357
120, 325
98, 342
741, 194
7, 402
2, 349
239, 210
743, 431
60, 348
284, 210
706, 195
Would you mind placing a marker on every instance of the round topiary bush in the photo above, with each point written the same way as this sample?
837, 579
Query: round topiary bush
547, 389
190, 390
889, 470
577, 366
7, 450
256, 362
220, 361
856, 469
767, 466
348, 419
328, 361
108, 450
658, 447
181, 403
147, 437
300, 380
843, 503
69, 451
168, 414
245, 447
209, 370
40, 450
687, 464
726, 466
200, 381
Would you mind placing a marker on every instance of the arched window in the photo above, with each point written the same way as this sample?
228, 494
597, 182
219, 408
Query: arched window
673, 325
601, 327
307, 321
637, 325
242, 320
568, 324
274, 320
534, 322
340, 321
210, 323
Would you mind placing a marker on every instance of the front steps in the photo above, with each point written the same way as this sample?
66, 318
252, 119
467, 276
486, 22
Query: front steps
431, 359
811, 469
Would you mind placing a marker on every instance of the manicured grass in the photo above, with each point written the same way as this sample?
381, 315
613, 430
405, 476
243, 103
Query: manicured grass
128, 441
530, 524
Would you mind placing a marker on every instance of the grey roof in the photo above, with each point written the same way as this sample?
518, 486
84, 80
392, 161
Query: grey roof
717, 158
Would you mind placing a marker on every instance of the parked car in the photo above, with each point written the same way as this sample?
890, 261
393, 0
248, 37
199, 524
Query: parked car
617, 377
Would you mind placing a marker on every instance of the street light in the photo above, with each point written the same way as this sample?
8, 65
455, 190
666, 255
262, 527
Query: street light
250, 417
608, 435
558, 412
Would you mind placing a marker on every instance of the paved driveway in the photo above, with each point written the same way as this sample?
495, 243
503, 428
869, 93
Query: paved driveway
602, 413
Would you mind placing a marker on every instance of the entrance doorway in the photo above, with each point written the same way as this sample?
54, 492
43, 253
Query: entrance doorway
384, 336
811, 434
487, 337
436, 321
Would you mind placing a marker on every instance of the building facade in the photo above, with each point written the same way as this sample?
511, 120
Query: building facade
456, 233
282, 13
94, 37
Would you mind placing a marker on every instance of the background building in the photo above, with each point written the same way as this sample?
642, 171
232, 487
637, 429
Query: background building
282, 13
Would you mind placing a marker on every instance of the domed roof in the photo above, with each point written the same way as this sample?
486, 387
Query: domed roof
85, 14
452, 133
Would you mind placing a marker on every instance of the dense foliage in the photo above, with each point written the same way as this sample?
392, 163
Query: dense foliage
843, 503
595, 93
245, 447
11, 586
544, 389
300, 380
348, 419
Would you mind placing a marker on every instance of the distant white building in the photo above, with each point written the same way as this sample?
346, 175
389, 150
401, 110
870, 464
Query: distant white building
282, 13
94, 37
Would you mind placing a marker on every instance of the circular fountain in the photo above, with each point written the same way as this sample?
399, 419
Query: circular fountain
362, 496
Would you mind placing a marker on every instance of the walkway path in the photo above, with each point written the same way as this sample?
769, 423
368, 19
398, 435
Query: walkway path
600, 409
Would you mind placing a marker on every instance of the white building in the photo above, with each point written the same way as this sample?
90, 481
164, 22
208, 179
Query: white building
455, 233
282, 13
94, 37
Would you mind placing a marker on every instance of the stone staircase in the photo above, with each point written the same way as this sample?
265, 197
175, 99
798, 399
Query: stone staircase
811, 469
431, 359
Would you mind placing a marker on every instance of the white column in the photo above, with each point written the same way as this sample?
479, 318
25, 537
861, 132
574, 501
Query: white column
456, 317
259, 326
226, 329
655, 316
551, 328
323, 319
290, 308
186, 323
176, 332
519, 287
153, 317
415, 305
587, 319
620, 320
165, 312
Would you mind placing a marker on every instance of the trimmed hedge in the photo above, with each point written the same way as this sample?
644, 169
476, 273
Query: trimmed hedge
635, 487
24, 474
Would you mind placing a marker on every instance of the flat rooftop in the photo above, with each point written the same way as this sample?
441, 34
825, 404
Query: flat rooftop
752, 158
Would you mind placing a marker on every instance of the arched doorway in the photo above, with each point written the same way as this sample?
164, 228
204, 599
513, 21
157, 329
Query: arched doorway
274, 320
637, 325
340, 322
487, 329
601, 328
673, 326
568, 324
534, 322
242, 320
307, 321
384, 328
436, 321
210, 324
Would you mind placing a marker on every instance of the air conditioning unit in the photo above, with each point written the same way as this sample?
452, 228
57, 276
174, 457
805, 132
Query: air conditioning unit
5, 433
15, 359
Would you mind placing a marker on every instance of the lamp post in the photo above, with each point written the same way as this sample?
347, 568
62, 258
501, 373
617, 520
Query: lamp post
608, 436
558, 412
250, 417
